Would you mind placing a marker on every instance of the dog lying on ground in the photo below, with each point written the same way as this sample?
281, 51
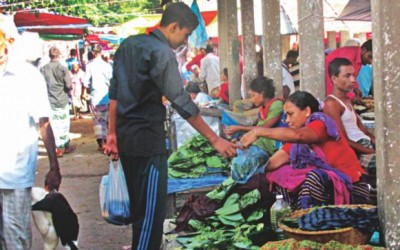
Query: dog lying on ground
54, 218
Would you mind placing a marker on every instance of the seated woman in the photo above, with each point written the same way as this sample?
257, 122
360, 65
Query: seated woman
262, 92
198, 97
316, 166
339, 107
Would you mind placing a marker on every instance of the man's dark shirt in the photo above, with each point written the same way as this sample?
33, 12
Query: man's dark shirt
145, 69
59, 83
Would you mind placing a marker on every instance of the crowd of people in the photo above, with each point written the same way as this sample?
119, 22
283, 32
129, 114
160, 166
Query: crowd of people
326, 156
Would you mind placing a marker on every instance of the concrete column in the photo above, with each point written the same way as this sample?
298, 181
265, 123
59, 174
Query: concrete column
285, 43
233, 51
344, 36
386, 66
332, 39
222, 34
271, 42
248, 44
311, 47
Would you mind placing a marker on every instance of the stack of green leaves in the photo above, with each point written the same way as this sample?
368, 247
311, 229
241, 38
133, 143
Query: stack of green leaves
227, 228
192, 159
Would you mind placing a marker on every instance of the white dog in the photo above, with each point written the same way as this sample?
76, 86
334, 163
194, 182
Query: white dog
44, 223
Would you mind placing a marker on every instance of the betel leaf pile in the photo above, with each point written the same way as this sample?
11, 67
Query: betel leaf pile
195, 158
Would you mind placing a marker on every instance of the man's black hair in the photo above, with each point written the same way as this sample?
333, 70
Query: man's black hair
193, 87
73, 52
292, 54
263, 85
303, 99
181, 13
367, 45
335, 64
209, 48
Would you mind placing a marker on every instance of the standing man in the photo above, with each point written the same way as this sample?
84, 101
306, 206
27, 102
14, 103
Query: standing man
59, 84
97, 81
73, 57
356, 55
145, 69
209, 72
287, 79
19, 149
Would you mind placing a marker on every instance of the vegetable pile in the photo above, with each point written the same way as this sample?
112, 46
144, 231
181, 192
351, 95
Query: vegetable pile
196, 158
229, 227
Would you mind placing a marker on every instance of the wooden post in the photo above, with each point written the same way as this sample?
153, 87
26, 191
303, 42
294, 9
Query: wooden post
332, 40
344, 36
222, 34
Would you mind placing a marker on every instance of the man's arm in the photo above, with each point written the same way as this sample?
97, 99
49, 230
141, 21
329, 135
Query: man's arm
335, 111
111, 144
53, 177
224, 147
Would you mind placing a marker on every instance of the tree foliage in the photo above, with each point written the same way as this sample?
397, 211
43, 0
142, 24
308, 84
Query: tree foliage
98, 12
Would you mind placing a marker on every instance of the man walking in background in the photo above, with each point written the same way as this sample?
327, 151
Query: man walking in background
97, 81
59, 84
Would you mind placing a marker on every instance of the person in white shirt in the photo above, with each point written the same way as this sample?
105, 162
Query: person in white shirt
209, 71
287, 79
22, 118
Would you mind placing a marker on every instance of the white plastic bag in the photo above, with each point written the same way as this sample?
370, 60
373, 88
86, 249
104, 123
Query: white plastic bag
114, 197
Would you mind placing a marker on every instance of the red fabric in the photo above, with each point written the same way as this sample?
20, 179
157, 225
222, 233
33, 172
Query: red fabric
338, 153
224, 92
195, 61
264, 110
353, 54
34, 18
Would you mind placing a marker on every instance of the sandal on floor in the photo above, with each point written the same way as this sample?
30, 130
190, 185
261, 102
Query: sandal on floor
69, 149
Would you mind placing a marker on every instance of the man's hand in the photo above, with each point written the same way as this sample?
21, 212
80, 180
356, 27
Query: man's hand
53, 179
224, 147
111, 148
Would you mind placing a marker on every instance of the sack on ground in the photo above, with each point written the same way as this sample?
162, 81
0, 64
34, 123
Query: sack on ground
114, 197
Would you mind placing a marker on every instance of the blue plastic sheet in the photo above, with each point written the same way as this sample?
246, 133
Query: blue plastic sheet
178, 185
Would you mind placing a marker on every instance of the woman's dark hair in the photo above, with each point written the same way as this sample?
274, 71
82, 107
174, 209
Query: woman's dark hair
303, 99
181, 13
225, 72
263, 85
193, 88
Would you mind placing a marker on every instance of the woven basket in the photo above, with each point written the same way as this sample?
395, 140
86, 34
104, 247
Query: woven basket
348, 235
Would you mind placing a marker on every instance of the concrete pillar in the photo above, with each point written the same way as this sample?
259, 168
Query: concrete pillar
332, 39
222, 35
285, 43
271, 42
248, 44
233, 51
386, 66
311, 47
344, 36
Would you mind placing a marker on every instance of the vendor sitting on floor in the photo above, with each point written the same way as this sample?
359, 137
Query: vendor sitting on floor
316, 166
339, 107
262, 92
196, 95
